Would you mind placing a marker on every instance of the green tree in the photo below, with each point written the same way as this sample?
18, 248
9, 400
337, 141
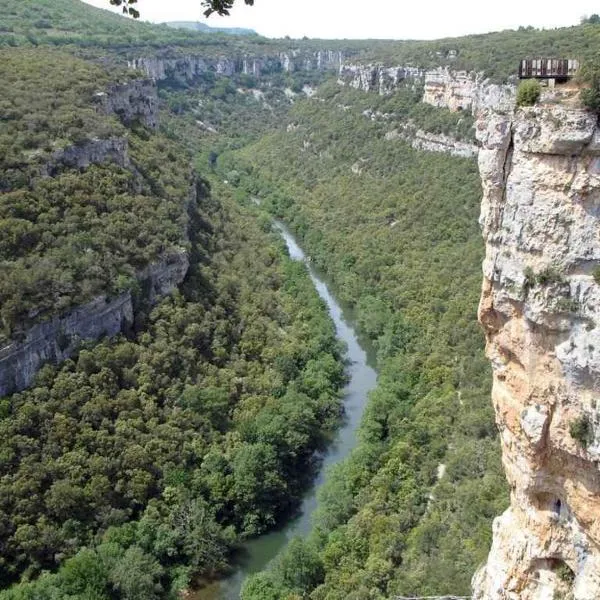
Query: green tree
137, 576
590, 76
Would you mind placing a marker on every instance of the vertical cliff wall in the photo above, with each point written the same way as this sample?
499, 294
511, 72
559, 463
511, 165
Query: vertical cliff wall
188, 67
540, 309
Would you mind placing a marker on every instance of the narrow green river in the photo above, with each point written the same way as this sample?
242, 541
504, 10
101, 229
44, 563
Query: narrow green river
258, 553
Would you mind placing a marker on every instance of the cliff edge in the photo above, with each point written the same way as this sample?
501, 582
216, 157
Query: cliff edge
540, 309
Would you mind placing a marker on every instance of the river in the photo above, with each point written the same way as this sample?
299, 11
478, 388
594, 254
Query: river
259, 552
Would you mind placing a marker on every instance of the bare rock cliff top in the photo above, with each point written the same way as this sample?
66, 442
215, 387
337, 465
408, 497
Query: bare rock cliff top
540, 309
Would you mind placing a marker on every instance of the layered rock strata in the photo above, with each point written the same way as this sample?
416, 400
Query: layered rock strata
188, 67
59, 338
442, 87
540, 309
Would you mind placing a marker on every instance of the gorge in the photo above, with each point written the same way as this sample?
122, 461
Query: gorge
172, 382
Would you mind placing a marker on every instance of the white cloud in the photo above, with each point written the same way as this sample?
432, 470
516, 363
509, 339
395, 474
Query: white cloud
397, 19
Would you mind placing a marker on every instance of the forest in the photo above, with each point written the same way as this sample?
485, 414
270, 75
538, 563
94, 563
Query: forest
72, 236
156, 455
140, 464
399, 238
137, 468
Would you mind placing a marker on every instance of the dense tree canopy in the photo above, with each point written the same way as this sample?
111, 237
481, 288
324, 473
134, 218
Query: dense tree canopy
143, 461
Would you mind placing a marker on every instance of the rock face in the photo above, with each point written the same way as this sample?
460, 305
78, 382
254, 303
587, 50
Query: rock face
57, 339
187, 68
377, 78
456, 90
433, 142
442, 87
90, 152
540, 309
136, 100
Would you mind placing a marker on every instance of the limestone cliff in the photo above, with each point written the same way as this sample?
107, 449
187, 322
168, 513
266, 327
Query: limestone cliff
186, 68
442, 87
56, 339
540, 309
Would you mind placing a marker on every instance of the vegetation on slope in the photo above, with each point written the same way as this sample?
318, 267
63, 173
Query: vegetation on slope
142, 462
496, 54
62, 22
72, 236
70, 22
167, 448
410, 512
86, 29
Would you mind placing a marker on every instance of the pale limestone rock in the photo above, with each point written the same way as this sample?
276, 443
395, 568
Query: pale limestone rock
540, 308
377, 78
443, 87
432, 142
188, 67
533, 422
455, 90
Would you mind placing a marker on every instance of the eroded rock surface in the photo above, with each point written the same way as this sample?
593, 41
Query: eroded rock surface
136, 100
188, 67
54, 340
442, 87
540, 309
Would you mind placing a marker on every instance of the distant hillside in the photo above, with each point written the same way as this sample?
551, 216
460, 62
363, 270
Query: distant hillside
71, 22
204, 28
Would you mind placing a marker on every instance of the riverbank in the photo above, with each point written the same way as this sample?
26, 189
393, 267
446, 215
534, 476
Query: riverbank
258, 553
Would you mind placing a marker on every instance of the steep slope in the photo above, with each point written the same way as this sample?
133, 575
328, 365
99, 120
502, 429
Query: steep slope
197, 26
94, 204
539, 307
141, 460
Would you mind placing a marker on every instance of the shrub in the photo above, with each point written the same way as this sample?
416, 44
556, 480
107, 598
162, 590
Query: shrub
589, 75
528, 92
596, 275
565, 573
581, 430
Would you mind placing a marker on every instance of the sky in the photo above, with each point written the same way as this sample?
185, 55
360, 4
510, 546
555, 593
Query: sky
391, 19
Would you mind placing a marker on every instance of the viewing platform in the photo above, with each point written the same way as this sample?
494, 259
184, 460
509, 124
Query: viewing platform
558, 69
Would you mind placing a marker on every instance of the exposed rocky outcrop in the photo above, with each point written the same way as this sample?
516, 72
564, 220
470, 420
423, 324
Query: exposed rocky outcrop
433, 142
540, 309
377, 78
161, 278
58, 338
442, 87
136, 100
187, 68
88, 152
55, 340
